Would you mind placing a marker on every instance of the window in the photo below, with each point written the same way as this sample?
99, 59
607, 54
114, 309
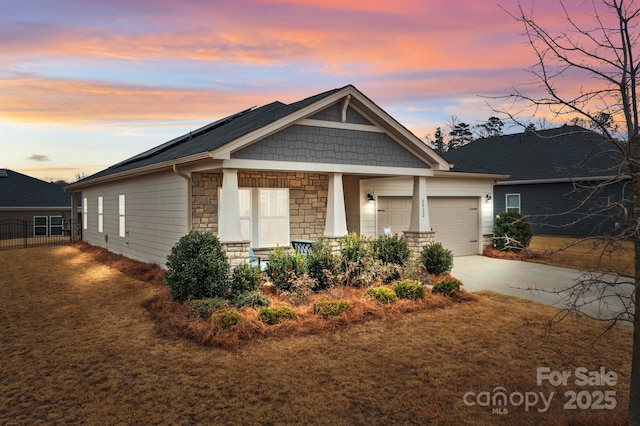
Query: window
513, 203
264, 216
85, 213
273, 217
40, 226
245, 214
121, 202
55, 225
100, 214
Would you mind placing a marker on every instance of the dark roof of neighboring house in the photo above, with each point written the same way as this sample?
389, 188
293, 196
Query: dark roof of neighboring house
212, 136
18, 190
563, 152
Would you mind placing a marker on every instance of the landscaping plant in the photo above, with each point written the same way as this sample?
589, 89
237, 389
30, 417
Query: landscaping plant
205, 307
512, 232
245, 278
251, 299
276, 315
328, 308
436, 259
381, 294
448, 287
408, 289
284, 268
226, 318
197, 267
320, 264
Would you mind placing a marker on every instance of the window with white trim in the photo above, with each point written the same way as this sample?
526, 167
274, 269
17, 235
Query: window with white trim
56, 225
40, 226
264, 216
245, 214
121, 216
100, 214
512, 203
85, 213
273, 217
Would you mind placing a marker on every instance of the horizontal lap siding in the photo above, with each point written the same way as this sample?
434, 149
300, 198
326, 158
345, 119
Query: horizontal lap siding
548, 207
155, 216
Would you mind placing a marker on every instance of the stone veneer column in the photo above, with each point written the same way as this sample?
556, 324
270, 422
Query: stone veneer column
237, 252
417, 240
334, 243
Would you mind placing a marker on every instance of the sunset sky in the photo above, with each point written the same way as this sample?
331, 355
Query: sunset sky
85, 84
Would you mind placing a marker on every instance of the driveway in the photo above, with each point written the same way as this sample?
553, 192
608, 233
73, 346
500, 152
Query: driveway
537, 282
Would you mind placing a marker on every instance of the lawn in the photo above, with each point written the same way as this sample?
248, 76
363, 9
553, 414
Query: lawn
78, 346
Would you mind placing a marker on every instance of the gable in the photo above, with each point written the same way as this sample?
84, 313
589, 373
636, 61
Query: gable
334, 113
301, 143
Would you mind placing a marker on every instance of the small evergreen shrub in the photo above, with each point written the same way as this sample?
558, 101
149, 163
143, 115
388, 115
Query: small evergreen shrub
226, 318
448, 287
354, 248
284, 268
381, 294
251, 299
276, 315
197, 267
320, 264
328, 308
245, 278
408, 289
392, 249
205, 307
436, 259
512, 232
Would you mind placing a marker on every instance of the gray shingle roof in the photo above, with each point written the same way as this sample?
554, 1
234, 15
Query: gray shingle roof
18, 190
212, 136
563, 152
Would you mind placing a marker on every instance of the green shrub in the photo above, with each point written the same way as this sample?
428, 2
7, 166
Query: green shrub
354, 248
512, 232
205, 307
448, 287
251, 299
408, 289
381, 294
329, 308
320, 264
227, 318
276, 315
436, 259
197, 267
284, 268
358, 265
392, 249
245, 278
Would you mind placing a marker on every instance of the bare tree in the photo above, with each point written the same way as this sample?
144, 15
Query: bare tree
599, 48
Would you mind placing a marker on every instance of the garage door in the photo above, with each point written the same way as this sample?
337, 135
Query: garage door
455, 222
394, 212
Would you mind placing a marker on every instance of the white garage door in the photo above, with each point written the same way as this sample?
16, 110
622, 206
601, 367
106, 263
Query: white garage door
455, 222
394, 212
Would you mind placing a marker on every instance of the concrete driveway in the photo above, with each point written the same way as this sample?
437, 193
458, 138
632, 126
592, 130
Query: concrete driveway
537, 282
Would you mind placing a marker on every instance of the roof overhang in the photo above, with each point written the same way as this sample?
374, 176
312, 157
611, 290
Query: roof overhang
467, 175
563, 180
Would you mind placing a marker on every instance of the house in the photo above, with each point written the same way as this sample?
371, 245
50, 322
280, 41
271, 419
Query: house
327, 165
43, 208
555, 178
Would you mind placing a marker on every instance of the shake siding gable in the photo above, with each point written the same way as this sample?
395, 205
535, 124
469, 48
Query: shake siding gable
156, 216
333, 146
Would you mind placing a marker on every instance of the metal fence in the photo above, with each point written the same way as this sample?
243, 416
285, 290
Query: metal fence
40, 232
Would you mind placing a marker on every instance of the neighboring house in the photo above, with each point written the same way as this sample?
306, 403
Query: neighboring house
324, 166
43, 207
553, 176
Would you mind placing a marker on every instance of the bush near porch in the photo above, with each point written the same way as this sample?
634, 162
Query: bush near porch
361, 279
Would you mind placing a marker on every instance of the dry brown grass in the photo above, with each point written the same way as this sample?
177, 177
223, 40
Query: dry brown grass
77, 346
570, 252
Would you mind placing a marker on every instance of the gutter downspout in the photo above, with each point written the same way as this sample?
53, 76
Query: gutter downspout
189, 190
